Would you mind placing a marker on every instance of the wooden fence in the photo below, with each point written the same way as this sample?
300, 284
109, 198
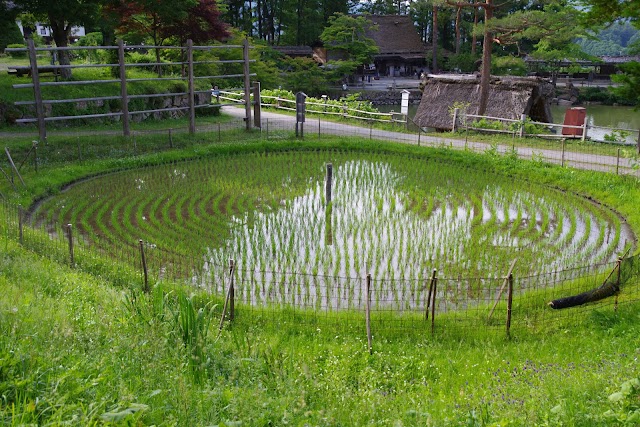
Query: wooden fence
41, 117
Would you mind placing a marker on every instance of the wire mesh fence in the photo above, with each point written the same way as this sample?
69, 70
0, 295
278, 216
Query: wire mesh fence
429, 303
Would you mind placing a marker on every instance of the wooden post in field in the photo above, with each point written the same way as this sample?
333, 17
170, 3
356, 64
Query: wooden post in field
368, 313
523, 121
170, 138
618, 163
428, 302
37, 92
454, 126
509, 303
124, 98
232, 291
257, 105
370, 130
144, 267
419, 133
13, 166
638, 141
70, 238
20, 224
564, 141
619, 265
328, 183
433, 306
191, 88
504, 284
247, 83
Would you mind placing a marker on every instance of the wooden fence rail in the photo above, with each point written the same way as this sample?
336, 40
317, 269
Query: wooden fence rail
41, 117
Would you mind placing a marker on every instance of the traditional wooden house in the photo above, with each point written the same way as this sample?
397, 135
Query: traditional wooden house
509, 97
402, 52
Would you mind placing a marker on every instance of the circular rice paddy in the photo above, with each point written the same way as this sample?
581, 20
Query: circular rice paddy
393, 216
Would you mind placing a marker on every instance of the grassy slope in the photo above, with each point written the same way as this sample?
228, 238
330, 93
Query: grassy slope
73, 348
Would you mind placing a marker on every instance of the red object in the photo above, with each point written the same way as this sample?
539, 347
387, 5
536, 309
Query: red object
574, 117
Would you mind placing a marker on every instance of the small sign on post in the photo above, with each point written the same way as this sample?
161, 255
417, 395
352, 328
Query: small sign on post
301, 100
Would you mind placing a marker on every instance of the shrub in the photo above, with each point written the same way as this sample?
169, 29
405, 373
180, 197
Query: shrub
17, 55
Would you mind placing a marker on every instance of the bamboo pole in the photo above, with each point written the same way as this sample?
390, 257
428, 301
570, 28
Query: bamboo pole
144, 267
433, 306
70, 238
368, 313
13, 166
504, 284
431, 284
509, 303
232, 291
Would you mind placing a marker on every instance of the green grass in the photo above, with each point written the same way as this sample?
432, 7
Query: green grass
86, 347
75, 350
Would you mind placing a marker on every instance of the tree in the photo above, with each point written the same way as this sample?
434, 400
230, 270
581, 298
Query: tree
159, 21
62, 15
10, 33
348, 34
603, 12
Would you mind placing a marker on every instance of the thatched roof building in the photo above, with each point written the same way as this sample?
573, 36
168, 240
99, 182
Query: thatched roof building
401, 51
509, 98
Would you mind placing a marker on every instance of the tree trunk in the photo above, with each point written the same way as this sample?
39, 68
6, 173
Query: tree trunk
458, 12
474, 39
60, 33
485, 73
434, 60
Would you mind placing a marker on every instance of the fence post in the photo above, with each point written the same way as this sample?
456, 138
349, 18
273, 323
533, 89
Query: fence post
247, 82
232, 291
638, 141
257, 105
70, 237
505, 282
368, 313
144, 267
419, 133
170, 138
618, 163
191, 89
219, 133
584, 131
564, 141
319, 135
428, 302
37, 92
509, 303
20, 224
328, 184
523, 120
124, 98
433, 305
454, 127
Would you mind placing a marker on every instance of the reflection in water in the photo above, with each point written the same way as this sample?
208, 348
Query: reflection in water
310, 254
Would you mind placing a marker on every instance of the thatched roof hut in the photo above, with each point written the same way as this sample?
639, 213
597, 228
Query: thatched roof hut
509, 98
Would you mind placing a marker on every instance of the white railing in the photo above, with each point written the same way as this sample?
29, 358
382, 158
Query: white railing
518, 128
322, 108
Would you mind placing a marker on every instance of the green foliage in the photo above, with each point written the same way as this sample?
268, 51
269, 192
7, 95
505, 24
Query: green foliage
508, 66
17, 55
630, 82
465, 62
10, 35
625, 404
304, 75
348, 34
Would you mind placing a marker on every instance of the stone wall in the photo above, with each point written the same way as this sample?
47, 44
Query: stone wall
390, 97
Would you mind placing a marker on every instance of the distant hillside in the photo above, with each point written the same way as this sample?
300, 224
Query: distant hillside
617, 40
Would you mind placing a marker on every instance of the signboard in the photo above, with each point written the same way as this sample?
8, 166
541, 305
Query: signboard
301, 98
